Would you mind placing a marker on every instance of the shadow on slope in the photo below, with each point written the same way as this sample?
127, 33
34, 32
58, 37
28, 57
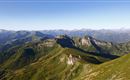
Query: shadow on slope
65, 41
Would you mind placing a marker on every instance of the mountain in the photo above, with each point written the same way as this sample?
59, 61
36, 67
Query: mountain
115, 36
65, 58
91, 44
15, 38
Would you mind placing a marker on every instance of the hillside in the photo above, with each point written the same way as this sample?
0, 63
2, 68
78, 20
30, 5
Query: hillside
63, 58
9, 39
117, 69
91, 44
60, 63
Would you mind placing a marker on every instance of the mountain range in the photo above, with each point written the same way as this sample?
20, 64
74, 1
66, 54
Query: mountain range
115, 36
36, 55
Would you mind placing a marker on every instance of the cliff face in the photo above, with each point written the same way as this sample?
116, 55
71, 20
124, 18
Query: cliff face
87, 41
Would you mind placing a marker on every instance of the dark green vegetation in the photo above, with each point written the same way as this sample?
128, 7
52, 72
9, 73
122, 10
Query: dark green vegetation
65, 58
9, 39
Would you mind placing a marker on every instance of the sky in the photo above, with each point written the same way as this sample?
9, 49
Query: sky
64, 14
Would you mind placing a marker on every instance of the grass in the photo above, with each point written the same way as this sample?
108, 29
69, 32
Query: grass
51, 63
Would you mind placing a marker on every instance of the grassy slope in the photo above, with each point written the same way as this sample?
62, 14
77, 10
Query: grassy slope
25, 55
54, 66
117, 69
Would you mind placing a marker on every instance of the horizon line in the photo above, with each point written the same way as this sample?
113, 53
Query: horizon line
65, 29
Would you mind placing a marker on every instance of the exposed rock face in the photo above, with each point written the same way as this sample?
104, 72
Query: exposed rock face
85, 41
71, 60
101, 43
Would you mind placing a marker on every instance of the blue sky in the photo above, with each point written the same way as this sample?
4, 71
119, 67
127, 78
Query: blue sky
64, 14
